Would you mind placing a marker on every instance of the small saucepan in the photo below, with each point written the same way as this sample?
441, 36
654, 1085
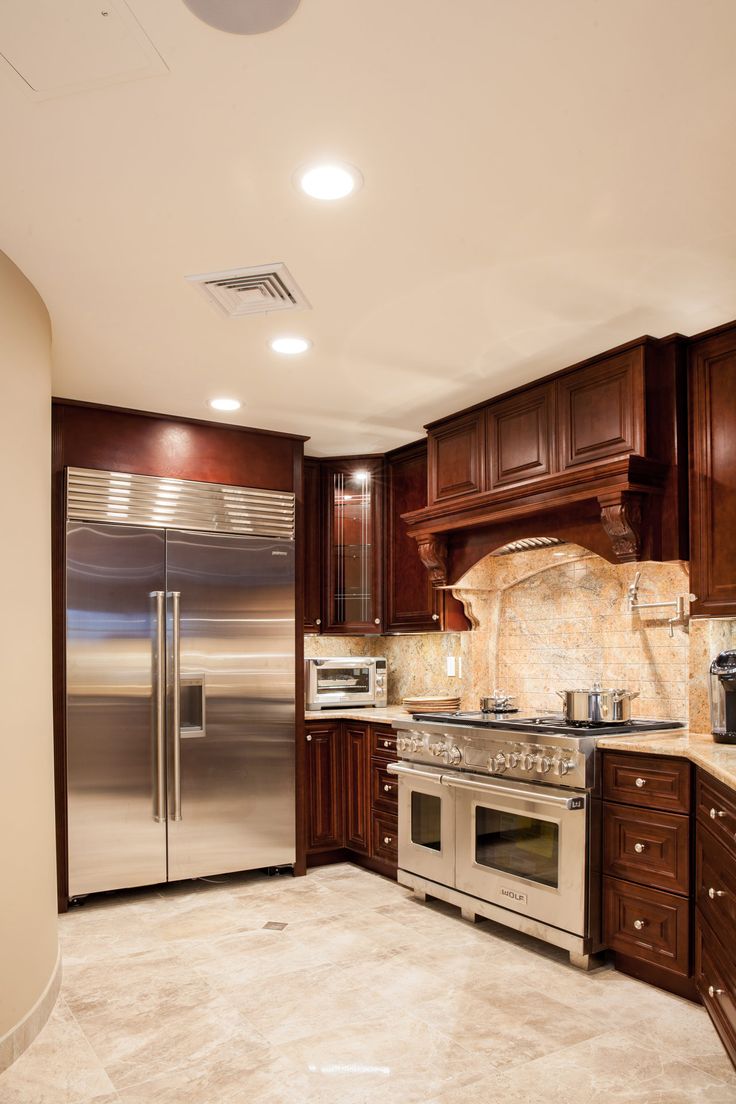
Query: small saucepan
498, 702
597, 706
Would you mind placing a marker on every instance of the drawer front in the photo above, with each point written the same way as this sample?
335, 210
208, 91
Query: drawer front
716, 806
647, 780
384, 788
650, 848
383, 742
647, 924
715, 884
715, 978
385, 837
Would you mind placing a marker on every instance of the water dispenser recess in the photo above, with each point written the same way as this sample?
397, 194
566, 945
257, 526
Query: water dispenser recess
723, 698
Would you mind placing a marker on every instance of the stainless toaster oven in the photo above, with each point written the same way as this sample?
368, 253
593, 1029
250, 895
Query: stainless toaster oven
345, 680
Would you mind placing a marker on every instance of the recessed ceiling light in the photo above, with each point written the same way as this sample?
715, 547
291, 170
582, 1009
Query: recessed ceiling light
225, 404
290, 346
333, 180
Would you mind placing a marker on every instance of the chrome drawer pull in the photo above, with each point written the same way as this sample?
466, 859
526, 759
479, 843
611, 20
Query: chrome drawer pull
713, 893
639, 847
713, 992
388, 839
640, 782
714, 813
639, 924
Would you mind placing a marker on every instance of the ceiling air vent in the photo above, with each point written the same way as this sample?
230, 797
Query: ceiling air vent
255, 290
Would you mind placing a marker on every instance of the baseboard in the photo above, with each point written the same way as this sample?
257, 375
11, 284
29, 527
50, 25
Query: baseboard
20, 1037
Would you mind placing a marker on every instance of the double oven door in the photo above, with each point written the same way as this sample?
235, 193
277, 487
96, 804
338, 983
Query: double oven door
521, 847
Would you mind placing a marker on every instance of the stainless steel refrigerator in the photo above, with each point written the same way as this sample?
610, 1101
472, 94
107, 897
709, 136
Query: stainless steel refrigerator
180, 676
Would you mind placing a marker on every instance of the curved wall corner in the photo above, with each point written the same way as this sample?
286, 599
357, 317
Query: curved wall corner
29, 958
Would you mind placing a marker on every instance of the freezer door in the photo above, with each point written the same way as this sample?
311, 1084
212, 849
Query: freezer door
115, 786
231, 723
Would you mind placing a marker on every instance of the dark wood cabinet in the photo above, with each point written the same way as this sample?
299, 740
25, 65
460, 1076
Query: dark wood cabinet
457, 457
312, 546
356, 751
349, 813
519, 437
412, 603
647, 882
713, 473
352, 502
600, 409
715, 978
324, 786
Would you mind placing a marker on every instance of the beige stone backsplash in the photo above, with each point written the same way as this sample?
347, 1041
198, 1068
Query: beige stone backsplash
554, 619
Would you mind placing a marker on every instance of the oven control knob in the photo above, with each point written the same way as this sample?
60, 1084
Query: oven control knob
544, 763
563, 766
402, 744
453, 755
527, 762
513, 760
416, 744
499, 762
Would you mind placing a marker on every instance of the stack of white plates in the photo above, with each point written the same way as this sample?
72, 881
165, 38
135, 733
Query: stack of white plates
431, 705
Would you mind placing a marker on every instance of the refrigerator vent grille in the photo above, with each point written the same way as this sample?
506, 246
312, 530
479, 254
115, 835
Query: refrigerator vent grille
124, 499
257, 290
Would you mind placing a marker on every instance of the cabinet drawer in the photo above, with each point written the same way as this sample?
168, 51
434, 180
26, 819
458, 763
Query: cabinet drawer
385, 837
716, 806
650, 848
715, 978
383, 742
648, 780
715, 884
384, 788
646, 924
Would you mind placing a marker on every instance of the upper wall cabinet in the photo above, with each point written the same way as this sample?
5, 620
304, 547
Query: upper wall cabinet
519, 435
713, 473
412, 603
601, 409
352, 500
312, 546
457, 457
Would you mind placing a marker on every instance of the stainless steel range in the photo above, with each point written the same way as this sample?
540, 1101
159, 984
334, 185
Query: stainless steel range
500, 815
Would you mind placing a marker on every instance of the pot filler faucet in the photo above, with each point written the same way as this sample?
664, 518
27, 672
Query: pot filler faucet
681, 605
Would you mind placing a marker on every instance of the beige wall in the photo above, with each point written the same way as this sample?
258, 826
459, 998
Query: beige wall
28, 937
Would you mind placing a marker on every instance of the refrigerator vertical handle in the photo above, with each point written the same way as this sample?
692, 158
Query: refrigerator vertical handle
159, 708
176, 703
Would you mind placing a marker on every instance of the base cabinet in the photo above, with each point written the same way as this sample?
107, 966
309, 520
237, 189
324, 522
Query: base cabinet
350, 813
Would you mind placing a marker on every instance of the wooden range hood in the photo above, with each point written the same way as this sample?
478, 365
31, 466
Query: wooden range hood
595, 455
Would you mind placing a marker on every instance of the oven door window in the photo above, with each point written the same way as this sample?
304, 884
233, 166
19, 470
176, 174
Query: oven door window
344, 680
518, 844
426, 818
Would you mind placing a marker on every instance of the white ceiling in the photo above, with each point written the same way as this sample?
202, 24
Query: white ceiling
543, 180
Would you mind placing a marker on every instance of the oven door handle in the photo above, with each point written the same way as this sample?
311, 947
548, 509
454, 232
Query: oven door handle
409, 772
576, 801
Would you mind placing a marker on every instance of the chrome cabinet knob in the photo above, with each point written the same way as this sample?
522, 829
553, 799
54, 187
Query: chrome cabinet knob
713, 893
309, 737
639, 847
715, 813
387, 743
640, 783
378, 621
639, 924
318, 620
388, 839
387, 788
435, 617
713, 992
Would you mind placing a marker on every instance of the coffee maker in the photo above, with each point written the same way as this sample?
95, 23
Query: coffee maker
723, 698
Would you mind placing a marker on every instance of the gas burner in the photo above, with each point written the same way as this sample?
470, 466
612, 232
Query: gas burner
551, 723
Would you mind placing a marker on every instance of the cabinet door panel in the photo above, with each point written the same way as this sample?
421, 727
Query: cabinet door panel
324, 788
518, 433
713, 473
647, 924
411, 600
353, 493
600, 409
312, 547
357, 787
456, 457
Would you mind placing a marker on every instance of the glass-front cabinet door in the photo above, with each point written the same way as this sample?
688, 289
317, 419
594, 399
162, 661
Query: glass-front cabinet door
354, 515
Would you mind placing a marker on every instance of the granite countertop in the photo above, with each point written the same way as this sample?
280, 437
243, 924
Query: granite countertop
718, 759
371, 714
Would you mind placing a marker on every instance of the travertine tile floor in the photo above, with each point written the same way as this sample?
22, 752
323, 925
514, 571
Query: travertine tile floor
183, 996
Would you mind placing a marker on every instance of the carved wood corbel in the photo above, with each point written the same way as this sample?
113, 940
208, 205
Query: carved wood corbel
433, 554
621, 514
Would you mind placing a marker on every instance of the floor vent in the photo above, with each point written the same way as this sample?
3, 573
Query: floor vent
257, 290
